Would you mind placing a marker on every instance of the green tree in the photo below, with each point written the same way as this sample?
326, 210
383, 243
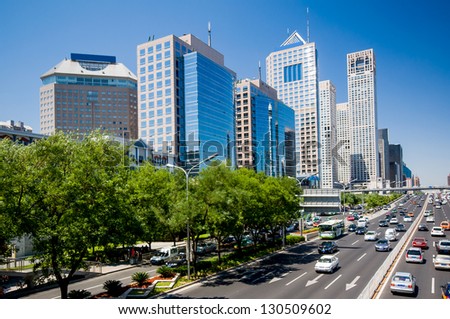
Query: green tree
79, 201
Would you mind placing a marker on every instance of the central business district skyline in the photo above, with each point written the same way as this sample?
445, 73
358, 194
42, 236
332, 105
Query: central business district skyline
186, 105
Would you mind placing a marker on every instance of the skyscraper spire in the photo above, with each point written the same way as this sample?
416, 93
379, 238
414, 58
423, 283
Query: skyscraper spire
307, 24
209, 33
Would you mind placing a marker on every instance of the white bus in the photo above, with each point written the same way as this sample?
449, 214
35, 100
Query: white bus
331, 229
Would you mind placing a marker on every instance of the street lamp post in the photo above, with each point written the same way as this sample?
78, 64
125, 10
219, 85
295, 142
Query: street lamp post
344, 187
186, 173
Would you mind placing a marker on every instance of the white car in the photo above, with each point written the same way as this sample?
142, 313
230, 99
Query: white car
327, 264
403, 282
437, 231
393, 220
441, 262
407, 219
371, 235
430, 219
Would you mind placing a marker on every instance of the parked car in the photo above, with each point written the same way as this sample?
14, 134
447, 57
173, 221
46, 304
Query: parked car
370, 235
420, 242
327, 264
414, 255
383, 245
206, 248
400, 227
437, 231
403, 282
443, 246
177, 261
327, 247
422, 227
441, 262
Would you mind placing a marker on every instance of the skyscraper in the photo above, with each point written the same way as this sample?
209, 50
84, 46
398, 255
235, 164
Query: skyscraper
395, 165
89, 92
342, 152
292, 71
185, 92
265, 130
361, 71
328, 138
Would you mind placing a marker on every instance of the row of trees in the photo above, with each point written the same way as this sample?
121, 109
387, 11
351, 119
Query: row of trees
74, 196
371, 200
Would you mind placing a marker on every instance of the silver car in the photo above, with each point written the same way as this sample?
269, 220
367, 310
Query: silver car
403, 282
327, 264
441, 262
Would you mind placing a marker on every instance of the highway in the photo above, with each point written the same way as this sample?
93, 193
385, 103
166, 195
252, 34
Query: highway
291, 274
428, 278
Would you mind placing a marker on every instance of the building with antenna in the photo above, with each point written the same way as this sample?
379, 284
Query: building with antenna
265, 130
292, 70
89, 92
186, 108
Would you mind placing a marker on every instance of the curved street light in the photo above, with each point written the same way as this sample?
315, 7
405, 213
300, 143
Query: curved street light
186, 173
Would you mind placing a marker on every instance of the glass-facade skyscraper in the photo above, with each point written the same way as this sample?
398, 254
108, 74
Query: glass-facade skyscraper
292, 70
185, 93
342, 152
265, 130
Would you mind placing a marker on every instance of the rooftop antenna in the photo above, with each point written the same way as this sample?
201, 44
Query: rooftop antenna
209, 33
307, 24
259, 70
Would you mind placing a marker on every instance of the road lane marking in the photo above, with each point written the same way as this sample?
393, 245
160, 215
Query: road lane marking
314, 281
361, 257
333, 281
290, 282
355, 242
352, 284
432, 285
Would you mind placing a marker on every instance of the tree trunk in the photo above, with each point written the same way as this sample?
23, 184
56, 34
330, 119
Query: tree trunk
64, 287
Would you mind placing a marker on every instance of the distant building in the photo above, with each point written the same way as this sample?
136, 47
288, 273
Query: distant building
395, 165
383, 148
18, 132
265, 130
89, 92
448, 180
292, 70
328, 137
342, 152
361, 75
417, 181
186, 107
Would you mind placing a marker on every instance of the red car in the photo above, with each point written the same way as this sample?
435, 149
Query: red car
350, 217
420, 242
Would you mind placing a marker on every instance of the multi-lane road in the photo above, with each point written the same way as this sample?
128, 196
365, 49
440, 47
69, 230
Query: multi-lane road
290, 273
428, 279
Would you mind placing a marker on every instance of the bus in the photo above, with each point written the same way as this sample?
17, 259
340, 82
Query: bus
331, 229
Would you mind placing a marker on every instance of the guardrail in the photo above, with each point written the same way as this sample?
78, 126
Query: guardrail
371, 288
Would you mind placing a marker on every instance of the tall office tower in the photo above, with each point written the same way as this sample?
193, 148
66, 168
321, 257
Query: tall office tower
328, 138
185, 93
292, 71
342, 152
448, 180
383, 147
89, 92
265, 130
395, 165
363, 109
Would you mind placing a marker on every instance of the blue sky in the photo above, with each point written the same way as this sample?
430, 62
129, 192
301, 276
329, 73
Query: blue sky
410, 39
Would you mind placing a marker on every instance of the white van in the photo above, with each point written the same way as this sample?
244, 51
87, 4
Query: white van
390, 234
167, 253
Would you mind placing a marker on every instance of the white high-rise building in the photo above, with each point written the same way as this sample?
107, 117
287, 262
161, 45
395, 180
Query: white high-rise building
292, 70
342, 148
362, 101
327, 98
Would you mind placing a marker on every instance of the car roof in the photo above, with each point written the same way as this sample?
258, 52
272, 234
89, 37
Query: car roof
402, 273
415, 248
